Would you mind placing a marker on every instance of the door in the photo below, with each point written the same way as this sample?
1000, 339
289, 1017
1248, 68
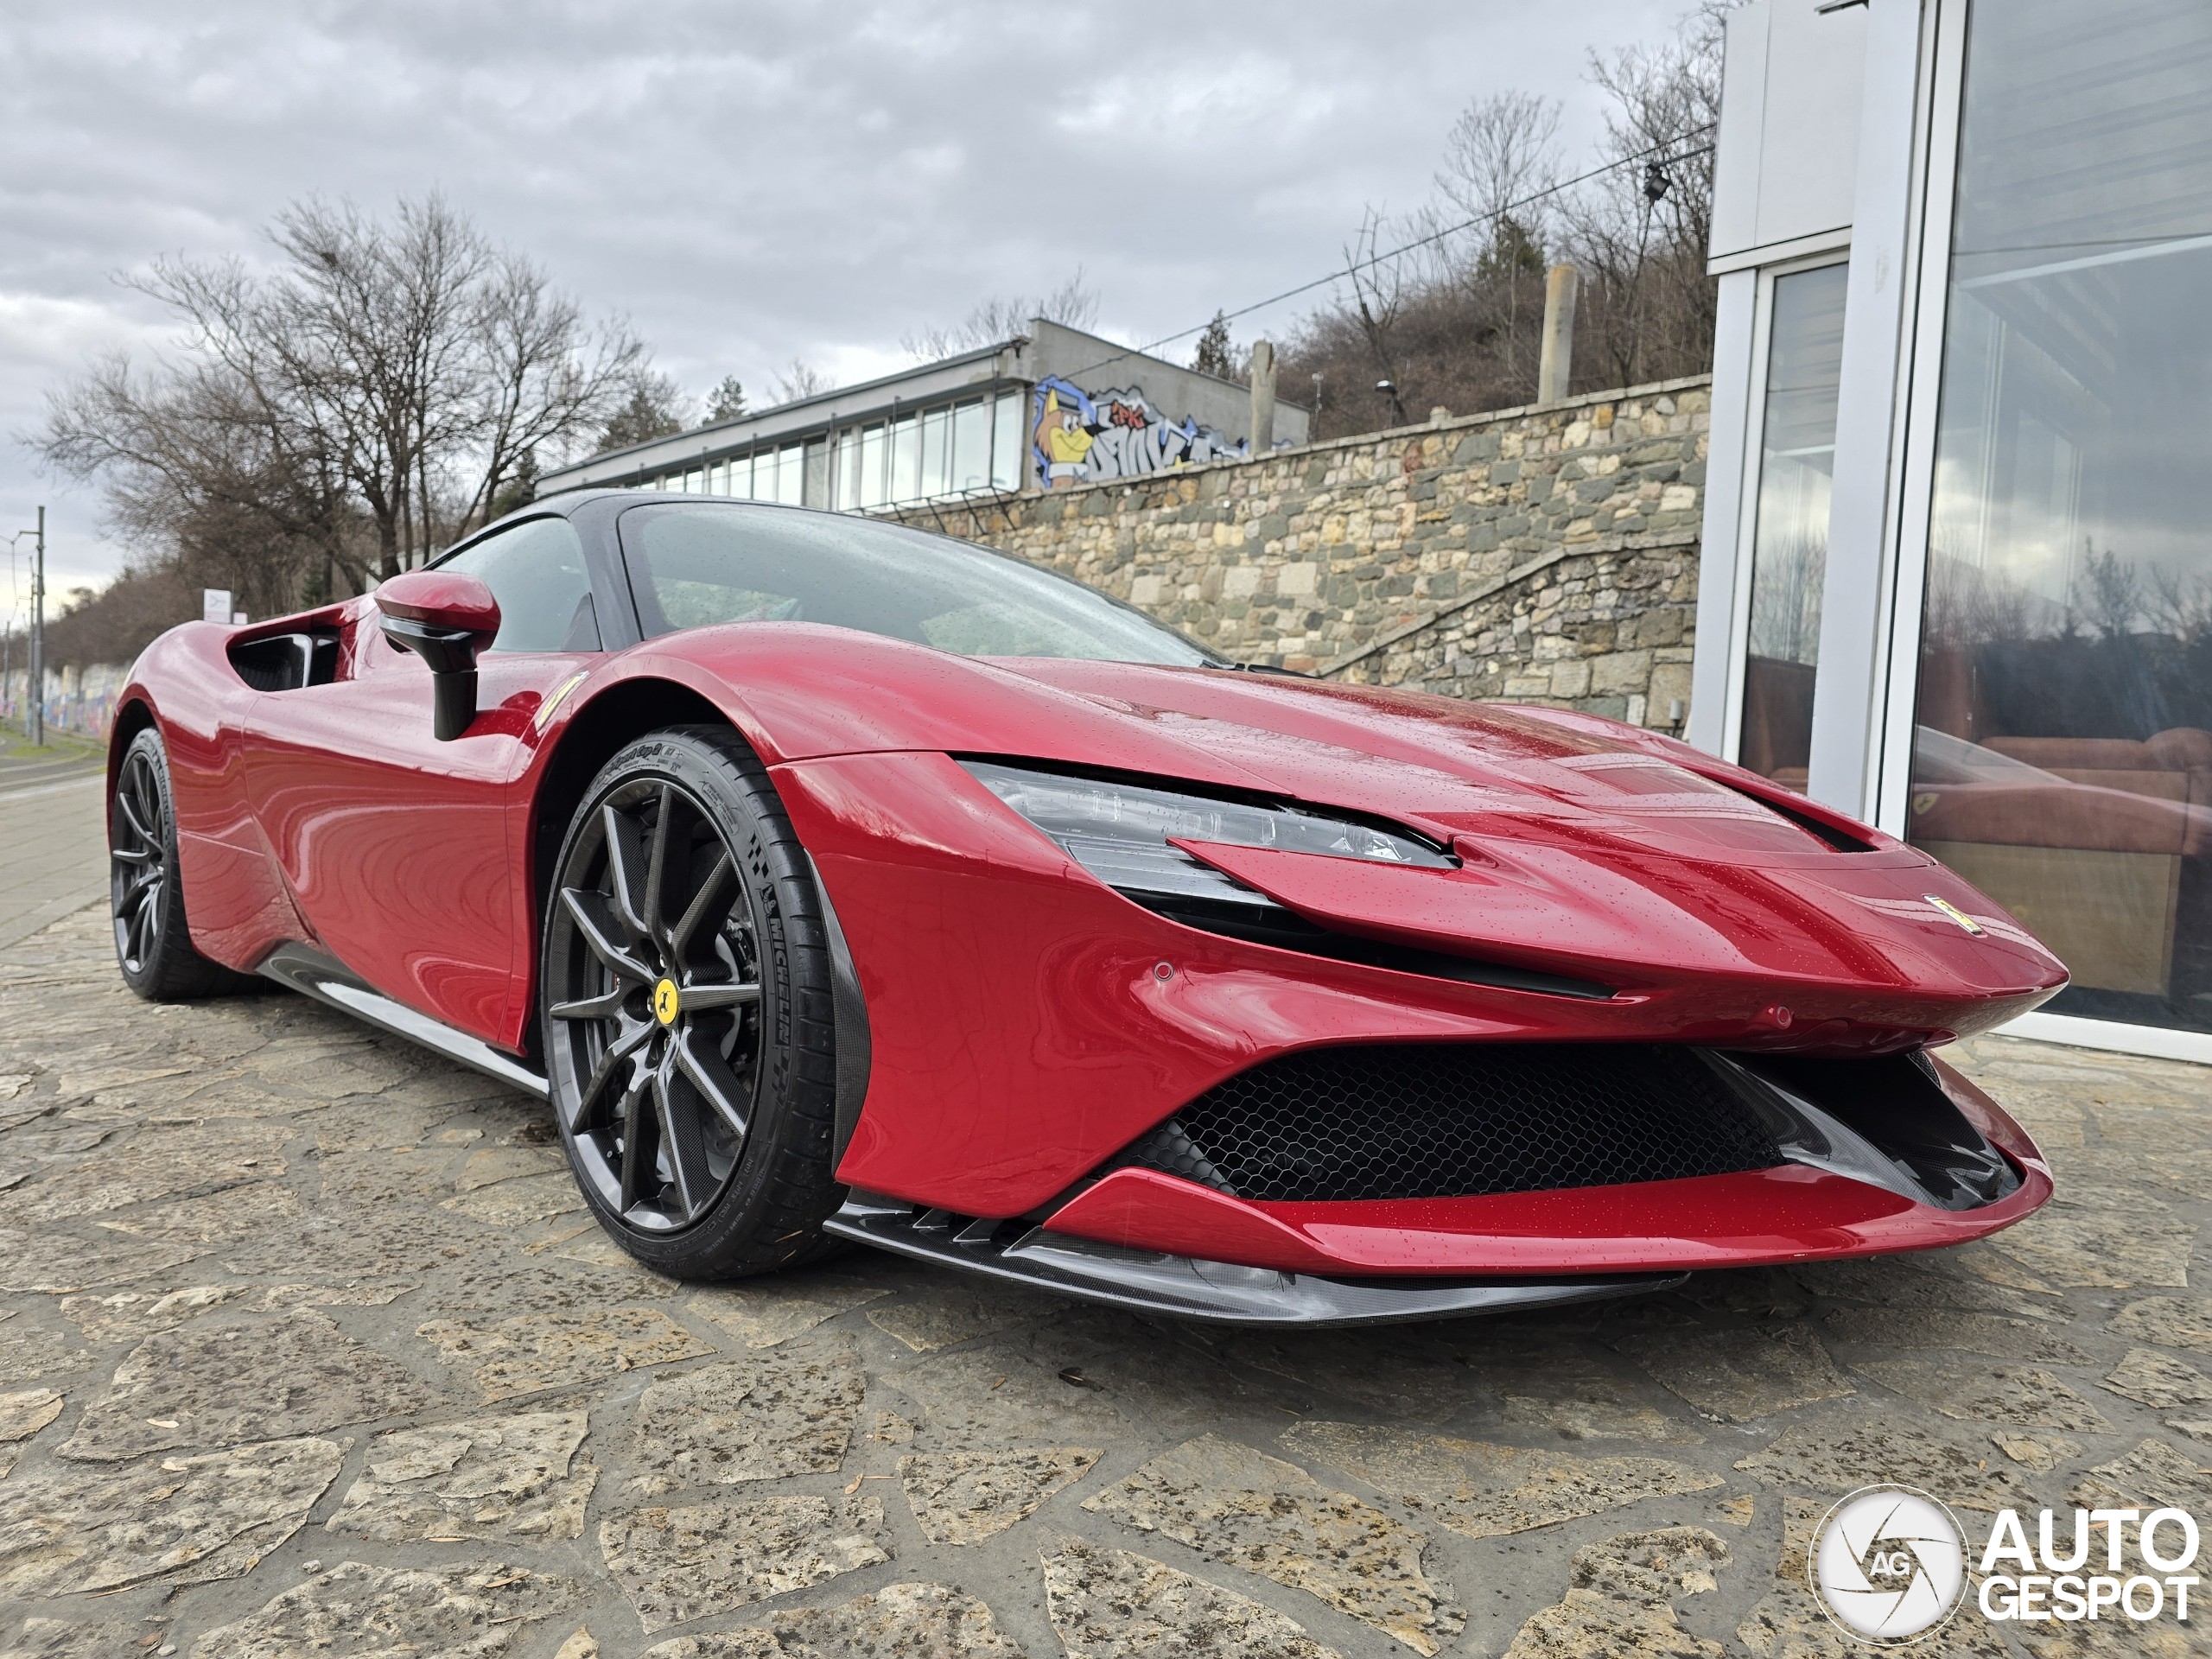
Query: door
397, 846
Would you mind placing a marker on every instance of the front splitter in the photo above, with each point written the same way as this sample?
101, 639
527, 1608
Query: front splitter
1188, 1288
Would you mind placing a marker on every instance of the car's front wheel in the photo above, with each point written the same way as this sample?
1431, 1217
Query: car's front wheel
689, 1040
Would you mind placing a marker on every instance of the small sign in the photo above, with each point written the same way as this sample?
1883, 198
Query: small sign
215, 605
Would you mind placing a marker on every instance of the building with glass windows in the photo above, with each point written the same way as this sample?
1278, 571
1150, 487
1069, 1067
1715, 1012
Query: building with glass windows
1049, 408
1957, 539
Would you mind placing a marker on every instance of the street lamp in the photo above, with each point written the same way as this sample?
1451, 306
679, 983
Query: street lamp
35, 728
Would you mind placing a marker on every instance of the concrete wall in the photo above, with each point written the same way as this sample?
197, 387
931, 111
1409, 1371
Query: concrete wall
81, 700
1178, 393
1545, 554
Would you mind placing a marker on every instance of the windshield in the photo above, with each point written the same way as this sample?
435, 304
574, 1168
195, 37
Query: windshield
695, 565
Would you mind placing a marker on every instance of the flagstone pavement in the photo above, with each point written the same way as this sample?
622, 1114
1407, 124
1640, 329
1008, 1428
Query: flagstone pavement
306, 1347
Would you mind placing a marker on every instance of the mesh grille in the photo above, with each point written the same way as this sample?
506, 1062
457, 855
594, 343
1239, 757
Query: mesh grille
1406, 1121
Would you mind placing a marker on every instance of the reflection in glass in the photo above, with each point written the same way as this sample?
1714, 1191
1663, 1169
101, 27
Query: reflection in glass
937, 452
2064, 758
845, 473
814, 489
1006, 443
905, 460
1789, 545
873, 480
971, 446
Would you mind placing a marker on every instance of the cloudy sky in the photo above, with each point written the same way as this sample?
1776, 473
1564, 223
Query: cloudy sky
746, 183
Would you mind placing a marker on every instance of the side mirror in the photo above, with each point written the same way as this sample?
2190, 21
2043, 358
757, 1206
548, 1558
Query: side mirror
445, 617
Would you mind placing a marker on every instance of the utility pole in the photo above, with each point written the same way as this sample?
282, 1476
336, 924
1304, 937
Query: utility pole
1262, 435
38, 639
1556, 367
35, 724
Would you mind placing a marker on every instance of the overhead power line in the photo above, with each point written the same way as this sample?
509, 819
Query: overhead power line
1654, 155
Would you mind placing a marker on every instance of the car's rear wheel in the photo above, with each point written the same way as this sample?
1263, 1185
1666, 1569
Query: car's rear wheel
153, 945
690, 1037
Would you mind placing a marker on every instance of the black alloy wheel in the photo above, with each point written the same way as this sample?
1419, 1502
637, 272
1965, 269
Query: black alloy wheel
683, 951
138, 865
153, 945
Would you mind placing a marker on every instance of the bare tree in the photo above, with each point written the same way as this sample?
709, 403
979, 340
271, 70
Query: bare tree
121, 619
1447, 302
1073, 302
1641, 228
545, 376
399, 376
1379, 291
801, 381
203, 473
1500, 157
1500, 161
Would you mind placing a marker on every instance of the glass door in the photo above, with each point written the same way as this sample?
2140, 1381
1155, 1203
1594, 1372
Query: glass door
1789, 522
2061, 742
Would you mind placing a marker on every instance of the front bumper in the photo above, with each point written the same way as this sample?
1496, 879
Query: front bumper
1029, 1026
1197, 1287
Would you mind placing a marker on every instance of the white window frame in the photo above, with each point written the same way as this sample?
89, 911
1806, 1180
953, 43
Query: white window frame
1889, 784
1743, 565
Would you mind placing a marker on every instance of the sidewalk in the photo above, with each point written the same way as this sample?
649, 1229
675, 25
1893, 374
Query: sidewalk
53, 833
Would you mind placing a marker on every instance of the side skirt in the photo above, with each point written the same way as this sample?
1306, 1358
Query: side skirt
1184, 1288
300, 967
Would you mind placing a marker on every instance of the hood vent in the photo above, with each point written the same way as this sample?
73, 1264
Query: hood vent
1842, 840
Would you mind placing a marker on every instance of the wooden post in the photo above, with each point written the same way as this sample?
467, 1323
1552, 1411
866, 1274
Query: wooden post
1263, 396
1557, 365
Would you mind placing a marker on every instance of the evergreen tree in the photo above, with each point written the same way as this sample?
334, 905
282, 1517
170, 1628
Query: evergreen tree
726, 401
1212, 356
654, 411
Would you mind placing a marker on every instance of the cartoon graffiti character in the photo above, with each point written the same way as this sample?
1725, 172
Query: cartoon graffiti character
1062, 443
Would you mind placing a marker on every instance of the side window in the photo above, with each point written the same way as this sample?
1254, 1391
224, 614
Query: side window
537, 572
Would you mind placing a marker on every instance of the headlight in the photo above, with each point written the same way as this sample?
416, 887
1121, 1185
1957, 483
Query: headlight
1119, 832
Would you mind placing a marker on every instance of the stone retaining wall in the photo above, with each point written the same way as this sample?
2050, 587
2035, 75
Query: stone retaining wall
1543, 553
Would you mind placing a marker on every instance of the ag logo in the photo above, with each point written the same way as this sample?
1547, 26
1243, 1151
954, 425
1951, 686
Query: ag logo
1890, 1563
667, 1003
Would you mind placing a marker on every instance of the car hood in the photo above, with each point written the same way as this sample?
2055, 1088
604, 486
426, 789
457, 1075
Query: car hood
1443, 766
1585, 844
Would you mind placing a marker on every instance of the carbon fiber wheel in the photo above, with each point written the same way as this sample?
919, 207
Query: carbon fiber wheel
689, 1046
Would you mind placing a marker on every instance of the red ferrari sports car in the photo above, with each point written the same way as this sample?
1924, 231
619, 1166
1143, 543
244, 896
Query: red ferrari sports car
834, 880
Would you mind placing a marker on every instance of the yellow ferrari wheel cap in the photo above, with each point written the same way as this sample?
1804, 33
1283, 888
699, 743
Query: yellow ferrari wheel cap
666, 1004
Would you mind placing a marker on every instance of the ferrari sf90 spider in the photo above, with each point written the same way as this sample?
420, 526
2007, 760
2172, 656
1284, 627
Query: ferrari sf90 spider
833, 881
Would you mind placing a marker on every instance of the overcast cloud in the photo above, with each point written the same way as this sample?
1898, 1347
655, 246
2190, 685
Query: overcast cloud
746, 183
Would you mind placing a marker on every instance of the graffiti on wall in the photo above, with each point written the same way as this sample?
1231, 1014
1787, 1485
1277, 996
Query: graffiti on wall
1081, 437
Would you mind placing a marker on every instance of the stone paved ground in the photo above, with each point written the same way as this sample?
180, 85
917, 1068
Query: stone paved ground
305, 1348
